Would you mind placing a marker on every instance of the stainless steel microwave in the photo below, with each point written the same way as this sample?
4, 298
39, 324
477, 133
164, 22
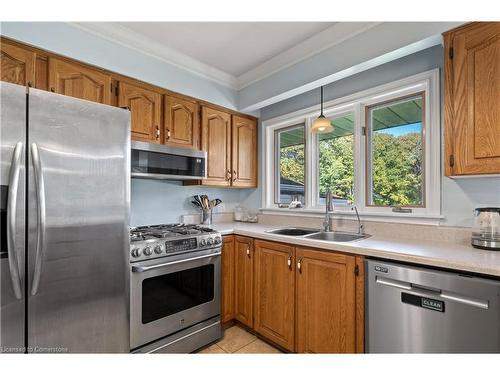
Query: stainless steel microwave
160, 162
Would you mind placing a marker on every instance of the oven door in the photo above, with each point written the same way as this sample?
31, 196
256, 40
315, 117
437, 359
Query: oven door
170, 294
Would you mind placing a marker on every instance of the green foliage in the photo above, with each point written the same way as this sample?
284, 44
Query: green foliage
397, 167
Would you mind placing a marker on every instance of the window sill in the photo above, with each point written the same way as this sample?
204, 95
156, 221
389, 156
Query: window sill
392, 217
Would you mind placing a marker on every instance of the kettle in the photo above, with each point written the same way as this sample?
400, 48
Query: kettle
486, 228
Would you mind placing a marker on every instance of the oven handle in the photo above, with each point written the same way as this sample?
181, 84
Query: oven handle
148, 268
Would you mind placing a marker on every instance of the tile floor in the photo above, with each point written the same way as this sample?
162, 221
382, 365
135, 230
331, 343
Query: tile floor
238, 341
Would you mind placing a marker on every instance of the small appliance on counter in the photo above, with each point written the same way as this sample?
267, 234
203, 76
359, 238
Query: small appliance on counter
486, 228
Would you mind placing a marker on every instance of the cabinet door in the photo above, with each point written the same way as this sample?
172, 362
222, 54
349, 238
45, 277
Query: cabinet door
145, 109
472, 97
17, 64
243, 276
227, 308
78, 81
216, 141
244, 152
182, 127
274, 296
326, 299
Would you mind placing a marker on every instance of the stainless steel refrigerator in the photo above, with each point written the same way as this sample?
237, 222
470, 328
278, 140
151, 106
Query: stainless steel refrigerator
64, 176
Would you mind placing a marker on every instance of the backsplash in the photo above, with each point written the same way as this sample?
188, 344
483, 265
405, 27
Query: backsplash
156, 202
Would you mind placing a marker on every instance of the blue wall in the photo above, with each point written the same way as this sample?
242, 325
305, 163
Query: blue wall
460, 196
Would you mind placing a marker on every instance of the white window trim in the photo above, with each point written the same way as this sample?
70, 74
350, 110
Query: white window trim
427, 82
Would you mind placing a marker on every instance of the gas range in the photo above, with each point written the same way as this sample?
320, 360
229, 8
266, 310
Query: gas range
156, 241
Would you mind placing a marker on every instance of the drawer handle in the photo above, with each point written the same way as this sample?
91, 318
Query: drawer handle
168, 134
289, 261
248, 251
228, 175
234, 175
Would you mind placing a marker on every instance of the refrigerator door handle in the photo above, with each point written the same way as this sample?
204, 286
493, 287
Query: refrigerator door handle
40, 197
15, 171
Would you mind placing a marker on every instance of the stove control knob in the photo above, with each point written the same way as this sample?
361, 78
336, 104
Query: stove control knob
158, 249
210, 241
217, 240
136, 252
147, 251
203, 242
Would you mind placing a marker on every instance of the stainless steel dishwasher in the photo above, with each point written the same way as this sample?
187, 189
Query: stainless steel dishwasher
419, 310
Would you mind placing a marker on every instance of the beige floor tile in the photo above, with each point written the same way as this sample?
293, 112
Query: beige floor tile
235, 338
212, 349
258, 347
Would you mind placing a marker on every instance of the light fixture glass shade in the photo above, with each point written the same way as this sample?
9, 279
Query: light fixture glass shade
322, 125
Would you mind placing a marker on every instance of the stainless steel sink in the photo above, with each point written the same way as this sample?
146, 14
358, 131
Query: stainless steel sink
293, 231
336, 236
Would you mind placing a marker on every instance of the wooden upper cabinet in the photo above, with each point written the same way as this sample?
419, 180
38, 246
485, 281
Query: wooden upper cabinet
145, 110
17, 64
472, 99
244, 152
243, 277
227, 275
182, 126
79, 81
326, 302
216, 141
274, 295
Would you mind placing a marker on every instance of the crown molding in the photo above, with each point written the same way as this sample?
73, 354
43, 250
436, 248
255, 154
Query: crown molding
130, 39
335, 34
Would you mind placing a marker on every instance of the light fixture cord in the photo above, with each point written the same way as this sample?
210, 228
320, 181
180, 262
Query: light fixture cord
321, 100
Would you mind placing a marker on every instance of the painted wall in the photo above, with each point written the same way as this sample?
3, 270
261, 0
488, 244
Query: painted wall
155, 202
73, 42
460, 196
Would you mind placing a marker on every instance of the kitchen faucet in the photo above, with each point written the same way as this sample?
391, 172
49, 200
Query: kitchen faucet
327, 226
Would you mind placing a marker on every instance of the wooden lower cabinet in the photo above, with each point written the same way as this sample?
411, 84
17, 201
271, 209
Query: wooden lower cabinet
326, 302
227, 282
274, 297
243, 280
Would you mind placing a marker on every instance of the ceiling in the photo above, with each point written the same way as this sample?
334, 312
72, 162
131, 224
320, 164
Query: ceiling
233, 47
235, 54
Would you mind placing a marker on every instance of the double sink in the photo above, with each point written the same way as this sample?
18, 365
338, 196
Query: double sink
314, 234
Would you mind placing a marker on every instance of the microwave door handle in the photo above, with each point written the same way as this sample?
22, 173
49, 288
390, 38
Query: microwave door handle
155, 266
15, 171
40, 195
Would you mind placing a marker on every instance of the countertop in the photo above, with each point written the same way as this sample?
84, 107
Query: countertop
432, 253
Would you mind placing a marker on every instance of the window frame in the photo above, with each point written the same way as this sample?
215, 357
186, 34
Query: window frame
277, 169
358, 104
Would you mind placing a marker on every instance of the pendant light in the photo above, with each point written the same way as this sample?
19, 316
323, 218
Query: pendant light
322, 124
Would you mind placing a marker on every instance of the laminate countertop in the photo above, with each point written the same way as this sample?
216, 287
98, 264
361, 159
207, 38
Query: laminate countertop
431, 253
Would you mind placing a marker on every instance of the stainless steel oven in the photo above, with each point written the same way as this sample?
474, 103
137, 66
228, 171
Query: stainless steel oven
173, 293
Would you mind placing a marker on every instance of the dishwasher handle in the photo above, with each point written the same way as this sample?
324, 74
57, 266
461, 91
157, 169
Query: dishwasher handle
446, 295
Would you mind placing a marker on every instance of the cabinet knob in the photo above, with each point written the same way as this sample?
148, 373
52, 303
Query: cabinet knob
289, 261
157, 132
234, 175
168, 134
248, 251
228, 175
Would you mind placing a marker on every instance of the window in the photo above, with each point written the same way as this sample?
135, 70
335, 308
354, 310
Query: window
383, 155
395, 153
336, 161
290, 156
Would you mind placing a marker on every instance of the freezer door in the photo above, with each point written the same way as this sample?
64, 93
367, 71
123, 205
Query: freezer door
79, 195
12, 186
418, 310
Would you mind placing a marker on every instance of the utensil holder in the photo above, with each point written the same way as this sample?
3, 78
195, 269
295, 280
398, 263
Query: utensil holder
206, 216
